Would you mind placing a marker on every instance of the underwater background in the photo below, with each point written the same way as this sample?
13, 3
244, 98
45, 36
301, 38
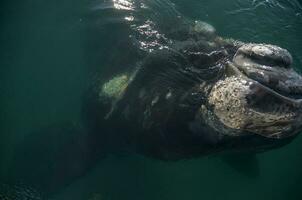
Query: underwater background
50, 51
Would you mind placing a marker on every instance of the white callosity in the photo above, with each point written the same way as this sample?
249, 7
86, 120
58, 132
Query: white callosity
230, 106
228, 99
270, 53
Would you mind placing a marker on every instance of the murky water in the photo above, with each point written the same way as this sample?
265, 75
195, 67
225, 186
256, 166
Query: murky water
51, 50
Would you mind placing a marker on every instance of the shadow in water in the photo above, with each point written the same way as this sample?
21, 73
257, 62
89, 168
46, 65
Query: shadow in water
245, 164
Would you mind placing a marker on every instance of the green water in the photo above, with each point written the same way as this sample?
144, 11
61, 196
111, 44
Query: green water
51, 49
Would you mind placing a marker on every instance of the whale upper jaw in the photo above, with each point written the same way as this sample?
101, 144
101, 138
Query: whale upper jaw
276, 88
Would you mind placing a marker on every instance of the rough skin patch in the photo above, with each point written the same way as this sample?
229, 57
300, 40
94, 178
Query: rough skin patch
228, 98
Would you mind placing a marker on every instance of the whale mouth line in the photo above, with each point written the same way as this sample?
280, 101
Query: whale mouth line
235, 69
296, 102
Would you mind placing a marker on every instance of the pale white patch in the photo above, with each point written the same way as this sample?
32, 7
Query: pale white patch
123, 5
203, 27
129, 18
262, 50
115, 87
169, 95
155, 100
228, 99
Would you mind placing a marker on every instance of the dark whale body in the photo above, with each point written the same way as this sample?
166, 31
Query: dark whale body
191, 94
157, 113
